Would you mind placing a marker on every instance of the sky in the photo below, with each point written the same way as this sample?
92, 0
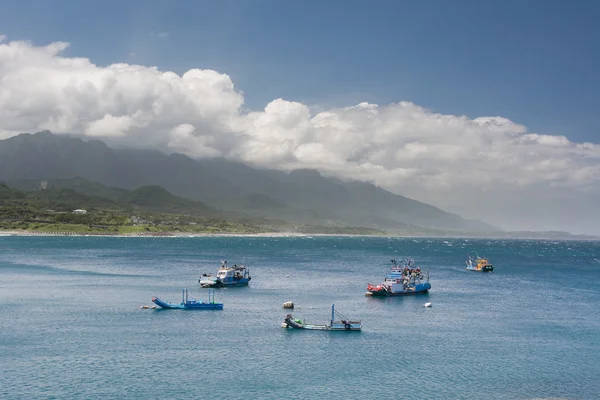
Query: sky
483, 108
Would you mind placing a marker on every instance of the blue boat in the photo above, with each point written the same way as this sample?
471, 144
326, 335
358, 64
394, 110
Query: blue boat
404, 279
188, 304
238, 275
342, 324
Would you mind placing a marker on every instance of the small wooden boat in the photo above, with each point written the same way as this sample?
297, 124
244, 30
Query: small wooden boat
188, 304
343, 324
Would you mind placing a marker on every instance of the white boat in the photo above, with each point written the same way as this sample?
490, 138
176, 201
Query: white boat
238, 275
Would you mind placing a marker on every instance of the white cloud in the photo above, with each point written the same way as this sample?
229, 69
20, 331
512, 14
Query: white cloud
39, 90
183, 140
471, 166
110, 125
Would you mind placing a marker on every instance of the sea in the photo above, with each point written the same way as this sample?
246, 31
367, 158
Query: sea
72, 326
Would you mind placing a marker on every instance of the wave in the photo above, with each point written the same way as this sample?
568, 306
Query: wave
20, 267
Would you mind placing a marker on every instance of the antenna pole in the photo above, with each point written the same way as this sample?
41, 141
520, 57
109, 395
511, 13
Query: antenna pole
332, 313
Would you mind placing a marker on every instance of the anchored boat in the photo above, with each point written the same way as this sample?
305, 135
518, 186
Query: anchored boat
188, 304
238, 275
479, 264
343, 324
402, 280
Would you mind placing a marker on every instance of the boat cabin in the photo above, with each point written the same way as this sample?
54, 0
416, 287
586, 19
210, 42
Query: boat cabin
234, 273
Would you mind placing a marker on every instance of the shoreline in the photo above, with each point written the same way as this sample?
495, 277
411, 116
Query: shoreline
16, 232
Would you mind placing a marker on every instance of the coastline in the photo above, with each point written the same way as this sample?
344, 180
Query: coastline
14, 232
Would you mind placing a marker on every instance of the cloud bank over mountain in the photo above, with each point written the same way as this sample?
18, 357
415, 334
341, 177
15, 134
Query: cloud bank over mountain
488, 167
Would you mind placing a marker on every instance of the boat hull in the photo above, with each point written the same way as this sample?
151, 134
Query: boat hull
385, 293
352, 326
487, 268
219, 284
382, 292
203, 306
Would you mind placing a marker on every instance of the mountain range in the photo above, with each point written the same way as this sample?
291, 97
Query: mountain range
301, 196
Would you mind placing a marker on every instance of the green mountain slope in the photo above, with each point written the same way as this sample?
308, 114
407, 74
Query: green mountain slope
301, 197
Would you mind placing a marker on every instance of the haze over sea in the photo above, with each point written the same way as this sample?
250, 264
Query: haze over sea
71, 324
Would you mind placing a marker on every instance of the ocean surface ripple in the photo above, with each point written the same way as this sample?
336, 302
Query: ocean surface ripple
72, 328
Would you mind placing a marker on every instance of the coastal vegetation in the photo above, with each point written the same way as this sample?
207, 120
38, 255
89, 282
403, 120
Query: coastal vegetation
146, 210
81, 207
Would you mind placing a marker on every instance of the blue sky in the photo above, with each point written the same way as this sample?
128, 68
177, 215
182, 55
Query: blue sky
534, 62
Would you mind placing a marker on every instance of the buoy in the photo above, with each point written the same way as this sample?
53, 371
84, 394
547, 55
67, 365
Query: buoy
368, 294
427, 305
288, 304
284, 325
145, 307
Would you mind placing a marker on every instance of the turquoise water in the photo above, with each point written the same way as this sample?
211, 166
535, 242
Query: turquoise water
71, 326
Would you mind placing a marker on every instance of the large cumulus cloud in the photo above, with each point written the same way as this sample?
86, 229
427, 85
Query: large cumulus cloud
486, 167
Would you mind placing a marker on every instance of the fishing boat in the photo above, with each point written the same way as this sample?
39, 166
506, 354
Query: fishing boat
403, 279
342, 324
479, 264
189, 304
238, 275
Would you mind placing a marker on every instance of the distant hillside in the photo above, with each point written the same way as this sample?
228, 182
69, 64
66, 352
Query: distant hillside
70, 194
79, 185
302, 196
155, 198
7, 193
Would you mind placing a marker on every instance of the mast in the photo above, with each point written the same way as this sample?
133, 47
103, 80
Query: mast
332, 313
